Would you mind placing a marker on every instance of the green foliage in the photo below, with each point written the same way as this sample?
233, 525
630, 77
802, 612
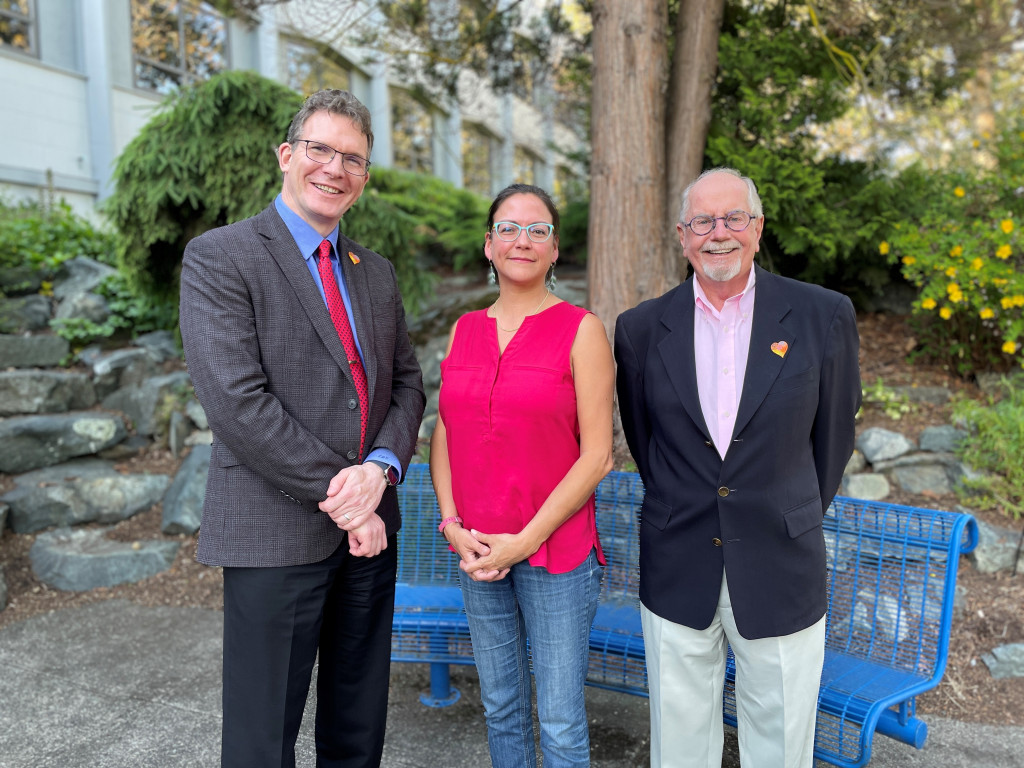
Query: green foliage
824, 216
131, 313
44, 235
893, 404
965, 252
206, 159
994, 449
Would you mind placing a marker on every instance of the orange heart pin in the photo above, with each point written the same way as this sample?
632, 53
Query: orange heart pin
780, 348
353, 257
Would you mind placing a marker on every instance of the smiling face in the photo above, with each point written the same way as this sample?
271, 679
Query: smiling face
721, 259
322, 193
522, 261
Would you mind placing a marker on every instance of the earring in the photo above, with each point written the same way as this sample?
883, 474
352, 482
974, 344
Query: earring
552, 281
492, 275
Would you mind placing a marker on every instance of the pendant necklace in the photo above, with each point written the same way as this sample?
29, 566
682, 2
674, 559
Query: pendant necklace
513, 330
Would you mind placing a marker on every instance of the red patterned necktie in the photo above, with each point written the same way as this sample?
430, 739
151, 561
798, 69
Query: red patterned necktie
340, 319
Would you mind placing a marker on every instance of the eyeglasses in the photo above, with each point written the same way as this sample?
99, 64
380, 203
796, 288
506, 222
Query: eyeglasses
736, 221
538, 232
323, 154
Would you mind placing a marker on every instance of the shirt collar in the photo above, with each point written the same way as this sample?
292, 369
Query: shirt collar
307, 238
704, 304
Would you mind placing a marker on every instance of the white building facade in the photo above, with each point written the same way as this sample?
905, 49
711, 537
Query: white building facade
79, 79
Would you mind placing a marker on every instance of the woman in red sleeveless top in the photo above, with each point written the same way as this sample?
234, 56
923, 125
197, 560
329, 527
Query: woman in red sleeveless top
523, 437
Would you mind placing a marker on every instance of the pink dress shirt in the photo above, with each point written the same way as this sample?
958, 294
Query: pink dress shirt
721, 341
512, 429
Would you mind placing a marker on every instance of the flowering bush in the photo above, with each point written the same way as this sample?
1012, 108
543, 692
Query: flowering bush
966, 255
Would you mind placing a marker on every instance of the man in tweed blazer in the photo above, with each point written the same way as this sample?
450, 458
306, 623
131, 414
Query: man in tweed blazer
302, 522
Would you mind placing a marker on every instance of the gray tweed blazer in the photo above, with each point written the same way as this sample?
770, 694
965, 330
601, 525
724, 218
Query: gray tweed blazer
271, 373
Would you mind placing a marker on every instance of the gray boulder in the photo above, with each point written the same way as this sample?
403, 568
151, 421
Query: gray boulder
78, 276
183, 502
83, 491
879, 444
944, 439
928, 395
86, 306
86, 559
24, 313
3, 590
160, 344
867, 485
142, 402
1005, 661
996, 550
123, 368
195, 412
20, 280
31, 391
31, 442
42, 351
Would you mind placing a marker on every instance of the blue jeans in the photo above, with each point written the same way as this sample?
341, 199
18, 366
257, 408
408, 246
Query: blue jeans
555, 611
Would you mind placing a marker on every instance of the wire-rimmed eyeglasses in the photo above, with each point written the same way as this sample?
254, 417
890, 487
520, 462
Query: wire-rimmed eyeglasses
538, 232
736, 221
319, 152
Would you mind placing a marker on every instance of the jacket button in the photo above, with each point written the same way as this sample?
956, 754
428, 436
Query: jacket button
716, 541
352, 455
352, 404
723, 491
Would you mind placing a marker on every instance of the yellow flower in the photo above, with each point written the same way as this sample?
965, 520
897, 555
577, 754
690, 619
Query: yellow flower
928, 304
1009, 347
1006, 301
976, 264
950, 271
959, 192
1018, 300
945, 313
975, 143
1004, 251
883, 248
956, 250
999, 281
908, 260
1006, 225
987, 314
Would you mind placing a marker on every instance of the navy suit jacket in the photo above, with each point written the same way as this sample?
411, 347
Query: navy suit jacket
757, 513
271, 372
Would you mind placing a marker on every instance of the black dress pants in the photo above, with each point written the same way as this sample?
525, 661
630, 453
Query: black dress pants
275, 621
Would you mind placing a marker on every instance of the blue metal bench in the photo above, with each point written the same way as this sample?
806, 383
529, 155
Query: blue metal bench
892, 573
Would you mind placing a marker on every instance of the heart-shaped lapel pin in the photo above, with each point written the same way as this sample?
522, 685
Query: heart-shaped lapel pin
780, 348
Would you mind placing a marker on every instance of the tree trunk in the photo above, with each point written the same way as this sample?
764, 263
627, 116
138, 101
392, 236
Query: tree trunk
626, 260
694, 66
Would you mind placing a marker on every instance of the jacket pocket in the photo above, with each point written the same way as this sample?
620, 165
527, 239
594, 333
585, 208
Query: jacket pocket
801, 519
655, 512
220, 456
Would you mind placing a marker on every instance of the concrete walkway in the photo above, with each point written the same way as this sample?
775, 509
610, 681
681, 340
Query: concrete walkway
117, 685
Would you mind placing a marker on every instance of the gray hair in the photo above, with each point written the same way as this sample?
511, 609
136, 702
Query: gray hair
753, 199
336, 102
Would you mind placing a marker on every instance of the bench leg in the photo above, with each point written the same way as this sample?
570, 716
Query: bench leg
442, 694
903, 726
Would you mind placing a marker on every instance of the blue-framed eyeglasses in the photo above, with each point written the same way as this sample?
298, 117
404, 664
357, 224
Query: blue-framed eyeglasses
538, 232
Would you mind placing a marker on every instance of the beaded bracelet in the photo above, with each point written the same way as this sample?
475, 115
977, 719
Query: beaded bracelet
456, 519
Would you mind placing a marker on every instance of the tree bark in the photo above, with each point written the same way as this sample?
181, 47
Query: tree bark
626, 260
694, 67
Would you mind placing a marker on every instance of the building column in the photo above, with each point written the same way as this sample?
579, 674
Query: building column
98, 89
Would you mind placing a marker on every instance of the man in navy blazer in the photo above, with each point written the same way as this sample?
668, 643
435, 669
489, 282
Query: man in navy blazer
738, 391
300, 508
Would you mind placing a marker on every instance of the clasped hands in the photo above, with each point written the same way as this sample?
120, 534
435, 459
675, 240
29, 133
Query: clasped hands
352, 499
486, 556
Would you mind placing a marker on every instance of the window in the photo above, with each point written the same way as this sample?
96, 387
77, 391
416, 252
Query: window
412, 133
176, 42
525, 166
308, 70
476, 159
16, 25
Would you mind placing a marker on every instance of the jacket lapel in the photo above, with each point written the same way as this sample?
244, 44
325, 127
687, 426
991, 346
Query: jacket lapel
676, 350
764, 364
282, 248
